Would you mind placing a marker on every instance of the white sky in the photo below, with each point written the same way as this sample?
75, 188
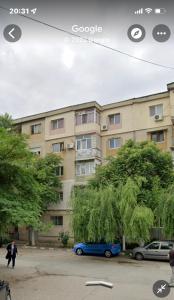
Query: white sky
46, 70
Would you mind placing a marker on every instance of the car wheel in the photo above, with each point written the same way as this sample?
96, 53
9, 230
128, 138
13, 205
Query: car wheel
139, 256
79, 251
108, 253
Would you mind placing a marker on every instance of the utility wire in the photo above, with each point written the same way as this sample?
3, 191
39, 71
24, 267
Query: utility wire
92, 41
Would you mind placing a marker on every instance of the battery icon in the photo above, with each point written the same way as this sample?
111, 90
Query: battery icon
160, 11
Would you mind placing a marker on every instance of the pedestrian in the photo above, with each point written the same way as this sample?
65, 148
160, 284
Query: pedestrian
171, 261
11, 253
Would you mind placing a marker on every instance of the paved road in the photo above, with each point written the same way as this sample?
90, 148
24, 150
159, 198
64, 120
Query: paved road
59, 274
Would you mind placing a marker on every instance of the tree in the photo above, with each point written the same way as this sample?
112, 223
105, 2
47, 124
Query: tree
139, 176
19, 197
167, 206
140, 224
137, 219
44, 172
94, 214
110, 213
28, 184
6, 121
134, 160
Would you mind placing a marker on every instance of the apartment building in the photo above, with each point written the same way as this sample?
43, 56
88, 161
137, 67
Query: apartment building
85, 134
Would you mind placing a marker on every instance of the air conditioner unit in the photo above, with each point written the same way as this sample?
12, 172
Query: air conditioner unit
104, 127
70, 146
158, 118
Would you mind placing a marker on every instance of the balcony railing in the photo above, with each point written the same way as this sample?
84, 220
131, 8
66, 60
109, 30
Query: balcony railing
88, 154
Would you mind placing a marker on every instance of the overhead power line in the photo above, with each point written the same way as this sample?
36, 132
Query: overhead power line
92, 41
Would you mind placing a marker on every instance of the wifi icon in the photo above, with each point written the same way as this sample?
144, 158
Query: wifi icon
148, 10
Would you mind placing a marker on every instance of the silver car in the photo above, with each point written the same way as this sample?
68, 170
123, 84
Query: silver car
155, 250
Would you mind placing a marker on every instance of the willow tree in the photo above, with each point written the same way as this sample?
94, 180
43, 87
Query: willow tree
137, 219
94, 214
82, 201
167, 205
140, 224
111, 213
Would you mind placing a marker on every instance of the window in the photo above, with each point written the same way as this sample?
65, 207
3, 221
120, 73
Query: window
114, 143
59, 171
157, 136
56, 124
58, 147
36, 151
87, 116
154, 246
61, 196
57, 220
114, 119
166, 246
156, 110
85, 168
84, 142
36, 128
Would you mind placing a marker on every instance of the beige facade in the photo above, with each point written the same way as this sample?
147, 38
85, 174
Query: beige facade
85, 134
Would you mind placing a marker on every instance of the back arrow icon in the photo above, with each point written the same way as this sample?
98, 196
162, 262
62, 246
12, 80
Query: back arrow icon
10, 33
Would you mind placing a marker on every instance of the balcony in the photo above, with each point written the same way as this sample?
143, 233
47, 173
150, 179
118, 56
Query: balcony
87, 154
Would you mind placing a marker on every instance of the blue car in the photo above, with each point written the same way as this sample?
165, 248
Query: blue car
107, 249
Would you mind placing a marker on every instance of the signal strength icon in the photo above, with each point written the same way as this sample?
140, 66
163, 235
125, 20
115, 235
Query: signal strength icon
148, 10
139, 11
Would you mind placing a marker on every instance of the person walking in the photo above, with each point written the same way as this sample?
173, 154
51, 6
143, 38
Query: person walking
171, 261
11, 253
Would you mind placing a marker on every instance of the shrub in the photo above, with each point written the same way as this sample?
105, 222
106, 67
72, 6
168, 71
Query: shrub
64, 238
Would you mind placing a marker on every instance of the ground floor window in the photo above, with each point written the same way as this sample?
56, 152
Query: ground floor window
157, 136
57, 220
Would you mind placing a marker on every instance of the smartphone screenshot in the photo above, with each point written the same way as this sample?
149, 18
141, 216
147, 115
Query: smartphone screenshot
86, 150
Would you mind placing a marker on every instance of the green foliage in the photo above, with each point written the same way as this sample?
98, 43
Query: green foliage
140, 175
81, 203
133, 160
6, 121
128, 203
108, 213
27, 183
44, 174
94, 214
167, 206
140, 224
64, 237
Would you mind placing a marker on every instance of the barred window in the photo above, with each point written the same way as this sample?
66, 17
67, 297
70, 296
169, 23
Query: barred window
57, 220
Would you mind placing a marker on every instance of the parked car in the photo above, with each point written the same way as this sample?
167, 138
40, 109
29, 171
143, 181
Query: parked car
156, 250
107, 249
4, 291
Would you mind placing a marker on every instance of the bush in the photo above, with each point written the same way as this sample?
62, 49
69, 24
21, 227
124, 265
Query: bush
64, 238
4, 241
